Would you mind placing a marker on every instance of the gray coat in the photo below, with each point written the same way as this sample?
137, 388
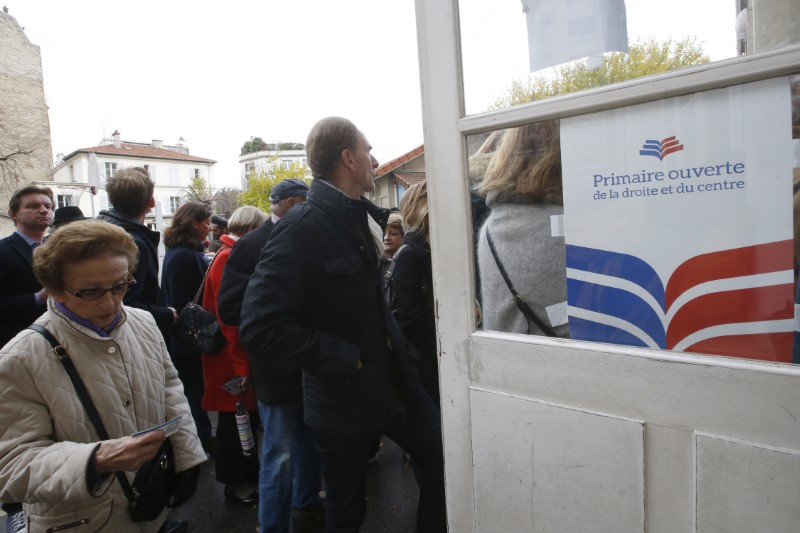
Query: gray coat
534, 259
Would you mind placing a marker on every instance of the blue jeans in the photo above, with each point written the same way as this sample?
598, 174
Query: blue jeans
290, 474
344, 462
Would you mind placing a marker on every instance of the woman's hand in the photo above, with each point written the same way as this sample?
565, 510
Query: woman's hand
128, 453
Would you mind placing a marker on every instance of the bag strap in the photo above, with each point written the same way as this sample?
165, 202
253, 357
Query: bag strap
203, 283
523, 306
388, 276
83, 395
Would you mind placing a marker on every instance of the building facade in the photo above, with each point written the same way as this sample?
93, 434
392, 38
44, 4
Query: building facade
266, 160
25, 147
392, 179
171, 167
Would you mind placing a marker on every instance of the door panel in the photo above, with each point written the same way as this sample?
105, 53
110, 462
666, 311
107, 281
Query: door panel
543, 467
746, 487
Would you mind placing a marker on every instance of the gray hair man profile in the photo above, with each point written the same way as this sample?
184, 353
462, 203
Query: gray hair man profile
130, 192
315, 304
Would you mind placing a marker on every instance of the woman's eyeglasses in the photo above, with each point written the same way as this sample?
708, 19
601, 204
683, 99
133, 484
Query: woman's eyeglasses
94, 294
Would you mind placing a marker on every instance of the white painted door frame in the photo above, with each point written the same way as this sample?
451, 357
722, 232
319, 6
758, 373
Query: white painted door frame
681, 400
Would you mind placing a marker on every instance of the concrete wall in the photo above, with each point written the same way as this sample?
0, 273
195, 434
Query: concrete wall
24, 123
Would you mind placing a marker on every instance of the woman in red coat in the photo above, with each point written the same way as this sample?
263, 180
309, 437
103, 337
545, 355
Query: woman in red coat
237, 471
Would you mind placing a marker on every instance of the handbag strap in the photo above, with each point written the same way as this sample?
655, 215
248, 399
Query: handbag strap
523, 306
83, 395
203, 283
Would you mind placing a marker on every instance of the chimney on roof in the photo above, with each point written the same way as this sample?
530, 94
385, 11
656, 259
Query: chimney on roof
158, 143
181, 146
116, 142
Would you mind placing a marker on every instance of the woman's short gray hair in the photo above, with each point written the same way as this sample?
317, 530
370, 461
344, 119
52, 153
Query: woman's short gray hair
244, 219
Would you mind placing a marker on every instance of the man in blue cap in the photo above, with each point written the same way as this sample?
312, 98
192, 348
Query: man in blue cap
289, 477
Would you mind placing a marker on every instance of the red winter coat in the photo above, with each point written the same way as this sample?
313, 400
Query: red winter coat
232, 359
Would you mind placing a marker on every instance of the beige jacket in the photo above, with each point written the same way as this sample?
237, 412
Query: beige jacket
46, 439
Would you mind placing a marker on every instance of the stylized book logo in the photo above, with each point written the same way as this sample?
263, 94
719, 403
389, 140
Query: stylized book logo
661, 149
736, 302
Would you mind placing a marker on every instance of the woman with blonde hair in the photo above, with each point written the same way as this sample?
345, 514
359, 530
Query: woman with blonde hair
51, 458
522, 186
237, 471
412, 286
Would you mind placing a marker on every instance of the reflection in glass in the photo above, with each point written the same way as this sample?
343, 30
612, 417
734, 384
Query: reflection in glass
520, 248
689, 250
514, 52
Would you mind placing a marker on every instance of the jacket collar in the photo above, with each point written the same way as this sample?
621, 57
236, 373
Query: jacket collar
331, 199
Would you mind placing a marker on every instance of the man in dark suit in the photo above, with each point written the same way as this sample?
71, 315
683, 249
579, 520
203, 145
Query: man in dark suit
288, 444
316, 303
22, 298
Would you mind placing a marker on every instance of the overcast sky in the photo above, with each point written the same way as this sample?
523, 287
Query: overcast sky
218, 73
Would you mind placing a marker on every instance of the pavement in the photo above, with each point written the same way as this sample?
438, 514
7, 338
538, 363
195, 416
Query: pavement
391, 503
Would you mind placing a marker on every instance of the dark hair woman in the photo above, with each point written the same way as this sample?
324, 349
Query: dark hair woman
181, 275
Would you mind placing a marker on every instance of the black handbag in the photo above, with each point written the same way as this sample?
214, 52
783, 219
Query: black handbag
154, 485
199, 327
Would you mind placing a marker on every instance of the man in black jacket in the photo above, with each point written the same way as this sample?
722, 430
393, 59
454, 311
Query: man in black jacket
289, 476
22, 298
315, 303
130, 192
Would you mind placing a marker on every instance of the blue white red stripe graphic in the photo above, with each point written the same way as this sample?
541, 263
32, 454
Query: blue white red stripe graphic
661, 149
736, 302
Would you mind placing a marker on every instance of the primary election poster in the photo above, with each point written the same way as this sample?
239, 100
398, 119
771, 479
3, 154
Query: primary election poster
678, 223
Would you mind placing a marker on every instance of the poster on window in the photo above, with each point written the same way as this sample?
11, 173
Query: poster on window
678, 223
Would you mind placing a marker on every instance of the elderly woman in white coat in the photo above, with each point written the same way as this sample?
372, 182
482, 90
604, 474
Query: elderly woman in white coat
51, 458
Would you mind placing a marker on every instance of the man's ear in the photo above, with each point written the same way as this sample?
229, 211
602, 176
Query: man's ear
151, 203
346, 158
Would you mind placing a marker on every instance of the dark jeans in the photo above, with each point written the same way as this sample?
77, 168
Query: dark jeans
344, 465
231, 466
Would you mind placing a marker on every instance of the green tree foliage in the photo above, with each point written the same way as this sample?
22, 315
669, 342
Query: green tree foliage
198, 190
259, 185
256, 144
644, 58
291, 146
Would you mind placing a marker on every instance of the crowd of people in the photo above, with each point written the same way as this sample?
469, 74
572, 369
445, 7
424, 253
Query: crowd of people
329, 344
325, 311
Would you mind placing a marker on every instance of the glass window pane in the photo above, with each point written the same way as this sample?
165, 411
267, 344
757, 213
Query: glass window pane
665, 225
516, 51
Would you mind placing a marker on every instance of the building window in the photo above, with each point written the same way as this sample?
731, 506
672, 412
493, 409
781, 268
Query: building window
248, 168
305, 163
174, 203
151, 225
196, 173
72, 172
286, 164
111, 169
173, 176
62, 200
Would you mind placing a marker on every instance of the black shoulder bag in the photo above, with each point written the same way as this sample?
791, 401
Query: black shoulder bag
199, 327
155, 482
388, 280
523, 306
